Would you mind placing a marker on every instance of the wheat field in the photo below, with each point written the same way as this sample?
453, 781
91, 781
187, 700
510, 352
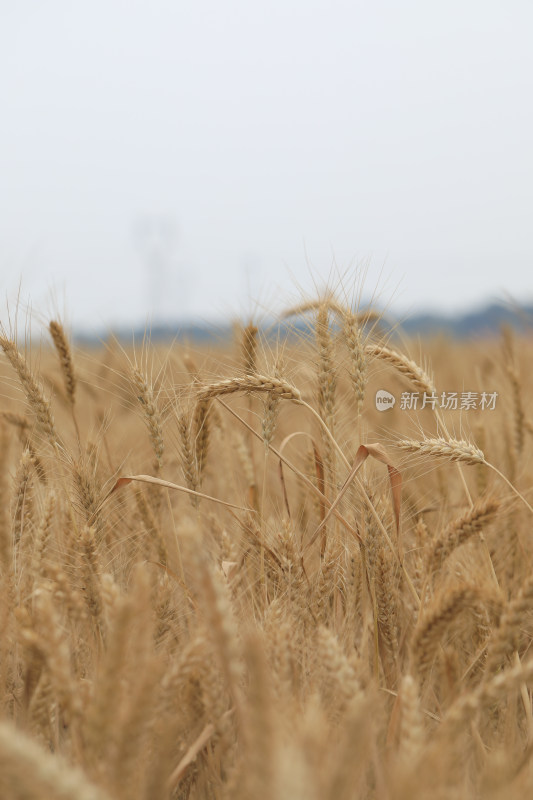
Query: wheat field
225, 573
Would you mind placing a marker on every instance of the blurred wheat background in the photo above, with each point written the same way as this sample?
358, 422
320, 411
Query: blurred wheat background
225, 574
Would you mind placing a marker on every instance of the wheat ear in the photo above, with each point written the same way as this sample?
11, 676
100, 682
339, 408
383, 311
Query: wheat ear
33, 390
62, 346
456, 450
486, 694
358, 365
186, 452
249, 383
30, 771
326, 386
201, 432
460, 531
431, 627
451, 449
249, 349
6, 538
408, 368
506, 637
146, 398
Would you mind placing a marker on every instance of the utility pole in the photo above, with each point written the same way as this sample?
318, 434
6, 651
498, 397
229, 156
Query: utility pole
156, 237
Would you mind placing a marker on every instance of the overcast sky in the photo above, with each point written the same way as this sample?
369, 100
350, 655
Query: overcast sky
185, 159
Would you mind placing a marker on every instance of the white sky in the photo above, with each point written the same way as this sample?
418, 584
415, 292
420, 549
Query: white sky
244, 146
